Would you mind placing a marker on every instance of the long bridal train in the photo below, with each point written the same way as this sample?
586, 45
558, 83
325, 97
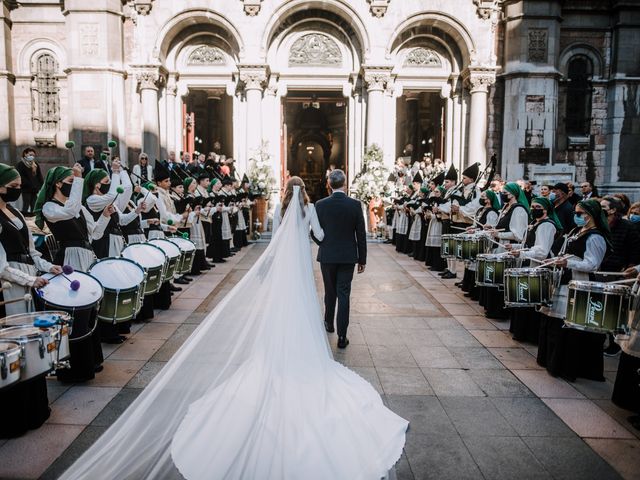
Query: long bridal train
254, 393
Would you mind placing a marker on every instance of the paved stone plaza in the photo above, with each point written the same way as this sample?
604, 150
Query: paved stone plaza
478, 404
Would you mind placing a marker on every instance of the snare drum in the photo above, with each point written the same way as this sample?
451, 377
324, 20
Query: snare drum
447, 246
470, 245
597, 307
491, 267
188, 252
173, 253
152, 259
123, 282
9, 363
37, 345
527, 287
59, 323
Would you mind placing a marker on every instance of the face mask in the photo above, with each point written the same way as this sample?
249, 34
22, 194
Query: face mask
104, 188
12, 194
65, 189
29, 158
634, 217
536, 213
504, 197
580, 221
552, 196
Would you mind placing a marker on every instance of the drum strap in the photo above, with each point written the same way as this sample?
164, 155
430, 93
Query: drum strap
20, 258
75, 243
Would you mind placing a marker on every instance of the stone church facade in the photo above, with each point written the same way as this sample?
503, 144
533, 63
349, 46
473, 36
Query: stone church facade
549, 86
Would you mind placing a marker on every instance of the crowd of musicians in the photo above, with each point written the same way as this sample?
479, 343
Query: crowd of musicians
557, 236
93, 211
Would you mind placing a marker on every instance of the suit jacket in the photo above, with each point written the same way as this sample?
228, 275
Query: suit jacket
345, 237
97, 163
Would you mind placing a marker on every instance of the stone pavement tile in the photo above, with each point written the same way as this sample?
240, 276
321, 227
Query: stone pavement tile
457, 338
136, 326
623, 455
544, 385
196, 317
475, 322
532, 349
594, 390
570, 459
381, 335
587, 419
402, 322
356, 337
451, 383
475, 357
185, 304
201, 290
81, 444
354, 356
499, 383
145, 374
504, 457
459, 309
373, 320
451, 297
370, 374
499, 324
441, 457
492, 339
433, 357
29, 455
137, 348
403, 381
444, 323
108, 349
116, 407
171, 346
55, 389
530, 417
159, 331
171, 316
116, 373
403, 469
476, 416
619, 414
391, 356
516, 358
419, 337
424, 413
80, 405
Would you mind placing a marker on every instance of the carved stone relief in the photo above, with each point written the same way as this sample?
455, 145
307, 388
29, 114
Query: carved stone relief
89, 39
378, 7
251, 7
422, 57
315, 50
206, 55
538, 45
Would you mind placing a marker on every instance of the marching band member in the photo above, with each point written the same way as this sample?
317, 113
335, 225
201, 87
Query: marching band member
227, 198
434, 229
402, 220
134, 231
452, 194
420, 250
196, 230
415, 212
215, 249
569, 352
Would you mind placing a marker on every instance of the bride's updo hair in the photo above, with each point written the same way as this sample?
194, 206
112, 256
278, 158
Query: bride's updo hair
288, 194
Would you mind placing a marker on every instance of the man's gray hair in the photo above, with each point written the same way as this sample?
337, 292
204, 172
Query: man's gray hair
337, 179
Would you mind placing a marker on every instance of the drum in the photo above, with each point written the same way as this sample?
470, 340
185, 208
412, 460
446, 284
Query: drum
152, 259
491, 267
188, 252
597, 307
470, 245
59, 323
9, 363
172, 251
123, 283
37, 345
447, 246
527, 287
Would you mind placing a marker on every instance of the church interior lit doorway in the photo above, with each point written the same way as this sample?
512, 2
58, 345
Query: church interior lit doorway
207, 120
420, 133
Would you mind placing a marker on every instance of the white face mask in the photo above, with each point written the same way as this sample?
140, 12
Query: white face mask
29, 158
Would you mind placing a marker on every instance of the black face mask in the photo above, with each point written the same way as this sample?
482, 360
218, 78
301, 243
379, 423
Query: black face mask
104, 188
12, 194
504, 197
65, 189
537, 213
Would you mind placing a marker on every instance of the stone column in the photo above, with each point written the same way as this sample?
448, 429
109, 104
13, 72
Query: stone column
456, 129
253, 78
479, 83
148, 84
376, 82
7, 81
445, 93
171, 92
390, 122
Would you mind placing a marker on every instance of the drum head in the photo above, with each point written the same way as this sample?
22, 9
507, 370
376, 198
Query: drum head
169, 248
145, 254
7, 346
25, 331
28, 318
599, 287
117, 273
58, 292
183, 243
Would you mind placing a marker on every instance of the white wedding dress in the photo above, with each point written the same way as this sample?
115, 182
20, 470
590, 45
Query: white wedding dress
254, 393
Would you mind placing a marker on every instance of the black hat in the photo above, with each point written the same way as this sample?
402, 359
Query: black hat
472, 171
391, 178
175, 181
451, 174
417, 178
227, 180
561, 186
245, 179
203, 175
161, 172
438, 179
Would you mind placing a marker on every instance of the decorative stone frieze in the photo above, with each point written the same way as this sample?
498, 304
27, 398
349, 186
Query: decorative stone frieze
422, 57
479, 79
376, 78
206, 55
253, 77
251, 7
378, 7
315, 50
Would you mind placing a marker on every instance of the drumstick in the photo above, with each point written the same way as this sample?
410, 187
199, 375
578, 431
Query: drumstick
549, 262
617, 282
617, 274
27, 298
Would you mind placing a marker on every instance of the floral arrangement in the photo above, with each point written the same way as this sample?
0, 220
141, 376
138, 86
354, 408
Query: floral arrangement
371, 182
260, 173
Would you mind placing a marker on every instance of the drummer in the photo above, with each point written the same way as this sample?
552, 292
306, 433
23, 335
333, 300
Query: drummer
150, 215
196, 230
569, 352
432, 243
26, 403
134, 230
542, 233
215, 249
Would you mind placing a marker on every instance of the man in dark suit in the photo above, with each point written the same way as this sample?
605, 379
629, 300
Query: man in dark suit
344, 245
89, 162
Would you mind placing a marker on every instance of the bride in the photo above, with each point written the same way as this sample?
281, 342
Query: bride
254, 393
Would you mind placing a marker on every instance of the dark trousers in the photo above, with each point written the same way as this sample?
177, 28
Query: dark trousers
337, 279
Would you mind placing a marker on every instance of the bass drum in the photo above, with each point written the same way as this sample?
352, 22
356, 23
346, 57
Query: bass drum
123, 283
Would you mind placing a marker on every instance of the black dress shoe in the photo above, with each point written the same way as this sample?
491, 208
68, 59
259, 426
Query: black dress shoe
114, 340
328, 327
188, 279
442, 274
173, 288
448, 276
210, 265
98, 368
220, 260
343, 342
181, 281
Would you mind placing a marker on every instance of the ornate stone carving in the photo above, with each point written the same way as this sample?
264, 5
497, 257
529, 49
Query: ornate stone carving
206, 55
481, 79
377, 80
422, 57
378, 7
149, 79
143, 7
251, 7
486, 8
538, 45
315, 50
253, 78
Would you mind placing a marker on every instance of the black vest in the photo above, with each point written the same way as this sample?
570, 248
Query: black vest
70, 233
151, 214
577, 246
133, 227
15, 242
101, 246
484, 214
531, 234
505, 220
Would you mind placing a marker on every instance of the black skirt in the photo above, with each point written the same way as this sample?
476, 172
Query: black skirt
525, 324
434, 260
146, 312
199, 263
26, 406
626, 391
494, 303
162, 299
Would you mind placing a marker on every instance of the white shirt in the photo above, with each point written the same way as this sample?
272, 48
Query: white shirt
518, 225
310, 217
545, 235
594, 253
